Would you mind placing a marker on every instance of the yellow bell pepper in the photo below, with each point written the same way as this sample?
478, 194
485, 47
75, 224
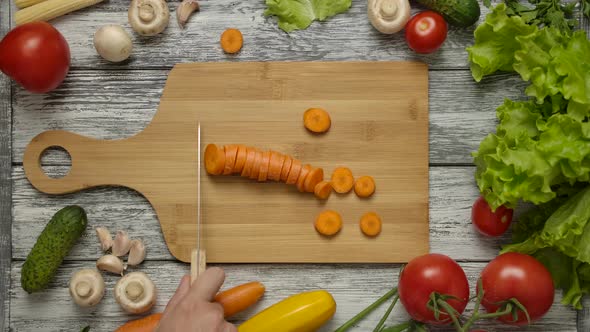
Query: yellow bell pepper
305, 312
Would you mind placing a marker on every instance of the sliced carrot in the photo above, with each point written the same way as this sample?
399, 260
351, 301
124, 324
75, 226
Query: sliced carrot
302, 176
145, 324
322, 190
249, 162
294, 172
315, 176
214, 159
256, 166
364, 186
317, 120
231, 151
240, 298
286, 168
231, 41
370, 224
275, 166
328, 223
342, 180
263, 175
240, 159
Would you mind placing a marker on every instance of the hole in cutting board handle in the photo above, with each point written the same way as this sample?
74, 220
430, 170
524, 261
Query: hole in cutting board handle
51, 155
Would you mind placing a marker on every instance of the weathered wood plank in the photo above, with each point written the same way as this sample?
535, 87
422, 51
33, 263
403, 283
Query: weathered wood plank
349, 285
452, 192
118, 104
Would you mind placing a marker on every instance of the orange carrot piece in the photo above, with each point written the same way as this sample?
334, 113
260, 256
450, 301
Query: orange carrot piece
145, 324
322, 190
231, 151
301, 179
370, 224
256, 166
286, 168
263, 175
275, 166
294, 172
240, 298
316, 120
328, 223
342, 180
240, 159
214, 159
314, 177
364, 186
249, 162
231, 41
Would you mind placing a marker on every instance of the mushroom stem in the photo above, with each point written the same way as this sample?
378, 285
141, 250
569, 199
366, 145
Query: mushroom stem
83, 289
389, 16
146, 12
388, 9
134, 290
86, 287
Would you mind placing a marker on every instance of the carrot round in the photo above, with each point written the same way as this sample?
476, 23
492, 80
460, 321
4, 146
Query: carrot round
231, 41
328, 223
314, 177
256, 166
322, 190
249, 162
286, 168
214, 159
275, 166
364, 186
231, 151
263, 175
370, 224
145, 324
317, 120
240, 298
302, 176
294, 172
240, 159
342, 180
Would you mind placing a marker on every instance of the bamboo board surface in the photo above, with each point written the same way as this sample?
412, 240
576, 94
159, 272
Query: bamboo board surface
379, 127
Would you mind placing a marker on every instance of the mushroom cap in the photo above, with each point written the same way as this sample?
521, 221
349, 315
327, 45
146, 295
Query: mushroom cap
148, 17
135, 293
114, 44
389, 16
87, 287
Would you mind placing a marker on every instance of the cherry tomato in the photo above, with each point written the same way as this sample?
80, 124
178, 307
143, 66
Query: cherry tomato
432, 273
490, 223
35, 55
519, 276
426, 32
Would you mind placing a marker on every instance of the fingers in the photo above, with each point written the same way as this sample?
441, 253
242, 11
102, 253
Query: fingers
181, 291
208, 284
228, 327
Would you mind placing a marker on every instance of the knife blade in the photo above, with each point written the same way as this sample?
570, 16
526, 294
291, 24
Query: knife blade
198, 256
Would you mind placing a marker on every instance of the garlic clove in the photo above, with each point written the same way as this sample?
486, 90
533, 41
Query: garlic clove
136, 253
110, 263
122, 244
105, 238
185, 10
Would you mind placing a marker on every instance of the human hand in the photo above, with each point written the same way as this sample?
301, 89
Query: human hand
192, 309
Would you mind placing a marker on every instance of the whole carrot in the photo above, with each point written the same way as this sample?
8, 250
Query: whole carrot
240, 298
146, 324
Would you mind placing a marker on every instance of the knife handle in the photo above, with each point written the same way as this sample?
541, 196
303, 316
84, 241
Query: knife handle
198, 263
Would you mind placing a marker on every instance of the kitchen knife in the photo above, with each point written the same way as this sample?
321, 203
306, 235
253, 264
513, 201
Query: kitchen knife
198, 256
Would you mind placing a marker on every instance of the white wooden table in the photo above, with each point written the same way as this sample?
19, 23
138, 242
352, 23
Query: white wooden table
111, 101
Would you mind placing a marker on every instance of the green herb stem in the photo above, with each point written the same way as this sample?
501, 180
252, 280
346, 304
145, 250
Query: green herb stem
387, 313
367, 310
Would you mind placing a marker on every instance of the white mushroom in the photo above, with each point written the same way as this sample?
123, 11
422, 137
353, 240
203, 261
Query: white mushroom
135, 293
122, 244
110, 263
136, 253
389, 16
87, 287
105, 238
184, 11
148, 17
113, 43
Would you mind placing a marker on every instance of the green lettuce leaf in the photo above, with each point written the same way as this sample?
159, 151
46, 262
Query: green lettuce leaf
299, 14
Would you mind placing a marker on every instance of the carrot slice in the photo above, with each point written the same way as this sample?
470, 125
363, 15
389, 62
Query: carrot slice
322, 190
256, 166
214, 159
240, 158
286, 168
328, 223
314, 177
342, 180
249, 162
275, 166
316, 120
231, 41
364, 186
294, 172
370, 224
302, 176
231, 152
263, 175
240, 298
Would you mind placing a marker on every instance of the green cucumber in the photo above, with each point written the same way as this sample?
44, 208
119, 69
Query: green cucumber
461, 13
52, 246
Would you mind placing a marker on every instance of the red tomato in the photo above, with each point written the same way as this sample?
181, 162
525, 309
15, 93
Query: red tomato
519, 276
490, 223
426, 32
35, 55
427, 274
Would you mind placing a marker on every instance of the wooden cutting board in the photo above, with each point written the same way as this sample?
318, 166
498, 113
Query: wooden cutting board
379, 127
